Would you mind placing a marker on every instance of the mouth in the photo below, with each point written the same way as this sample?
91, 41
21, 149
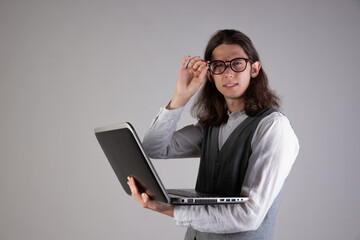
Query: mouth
229, 85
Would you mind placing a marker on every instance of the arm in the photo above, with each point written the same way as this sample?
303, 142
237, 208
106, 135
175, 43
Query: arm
275, 148
161, 141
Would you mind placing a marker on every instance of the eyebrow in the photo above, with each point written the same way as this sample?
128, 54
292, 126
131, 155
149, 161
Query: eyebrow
212, 59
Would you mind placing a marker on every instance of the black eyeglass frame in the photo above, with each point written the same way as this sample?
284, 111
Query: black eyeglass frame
230, 64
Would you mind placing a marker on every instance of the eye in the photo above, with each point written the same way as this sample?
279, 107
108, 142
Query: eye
238, 62
217, 64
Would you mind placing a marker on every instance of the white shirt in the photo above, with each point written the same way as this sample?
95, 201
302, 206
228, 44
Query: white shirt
274, 149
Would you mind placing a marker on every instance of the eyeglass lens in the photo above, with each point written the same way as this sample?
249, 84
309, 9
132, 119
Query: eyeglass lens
219, 66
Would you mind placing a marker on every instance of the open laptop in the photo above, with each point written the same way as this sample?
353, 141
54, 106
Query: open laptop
127, 157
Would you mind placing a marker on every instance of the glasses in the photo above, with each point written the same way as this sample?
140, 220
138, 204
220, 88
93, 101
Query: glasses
237, 65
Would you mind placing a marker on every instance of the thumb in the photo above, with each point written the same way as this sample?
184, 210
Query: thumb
144, 197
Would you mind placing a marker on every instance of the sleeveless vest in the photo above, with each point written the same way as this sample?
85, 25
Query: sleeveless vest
222, 172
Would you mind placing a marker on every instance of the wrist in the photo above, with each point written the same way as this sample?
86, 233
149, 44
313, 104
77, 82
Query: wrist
169, 211
177, 101
163, 208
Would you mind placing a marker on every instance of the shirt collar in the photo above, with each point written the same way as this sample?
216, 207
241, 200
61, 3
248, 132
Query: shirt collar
236, 114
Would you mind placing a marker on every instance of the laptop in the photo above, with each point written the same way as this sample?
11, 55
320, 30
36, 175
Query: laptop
127, 157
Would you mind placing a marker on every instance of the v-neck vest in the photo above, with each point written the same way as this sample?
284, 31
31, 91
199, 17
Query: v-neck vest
222, 171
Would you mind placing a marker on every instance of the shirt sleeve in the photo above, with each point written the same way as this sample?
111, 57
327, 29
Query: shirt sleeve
274, 149
162, 141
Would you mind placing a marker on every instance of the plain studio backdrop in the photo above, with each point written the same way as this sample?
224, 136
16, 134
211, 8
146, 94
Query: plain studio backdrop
68, 66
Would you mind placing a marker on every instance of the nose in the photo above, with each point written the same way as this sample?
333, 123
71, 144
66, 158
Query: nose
228, 70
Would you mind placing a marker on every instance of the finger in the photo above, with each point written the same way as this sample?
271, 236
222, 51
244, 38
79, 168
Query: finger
183, 61
192, 61
130, 185
198, 64
203, 72
202, 66
133, 188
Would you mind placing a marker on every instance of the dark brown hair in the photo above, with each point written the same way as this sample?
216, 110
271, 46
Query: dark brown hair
210, 107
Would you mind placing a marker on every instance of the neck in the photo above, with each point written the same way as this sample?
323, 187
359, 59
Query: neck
234, 105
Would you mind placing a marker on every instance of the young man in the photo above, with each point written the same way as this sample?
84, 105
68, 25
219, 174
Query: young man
247, 147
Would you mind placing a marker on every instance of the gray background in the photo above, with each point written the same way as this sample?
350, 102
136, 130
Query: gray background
68, 66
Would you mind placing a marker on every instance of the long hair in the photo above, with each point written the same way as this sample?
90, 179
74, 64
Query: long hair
210, 106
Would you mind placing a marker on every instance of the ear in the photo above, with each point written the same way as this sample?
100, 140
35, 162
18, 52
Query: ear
255, 69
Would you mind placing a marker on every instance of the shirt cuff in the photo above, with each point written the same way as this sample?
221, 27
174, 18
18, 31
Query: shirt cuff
170, 114
181, 216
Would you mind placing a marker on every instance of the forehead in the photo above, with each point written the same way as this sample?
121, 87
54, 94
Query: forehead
228, 52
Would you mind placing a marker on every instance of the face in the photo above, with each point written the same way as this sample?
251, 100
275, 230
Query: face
232, 85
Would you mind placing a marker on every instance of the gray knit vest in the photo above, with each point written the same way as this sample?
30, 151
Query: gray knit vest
222, 172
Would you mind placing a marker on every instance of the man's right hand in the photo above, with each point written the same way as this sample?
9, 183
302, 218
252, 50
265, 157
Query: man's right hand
189, 81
